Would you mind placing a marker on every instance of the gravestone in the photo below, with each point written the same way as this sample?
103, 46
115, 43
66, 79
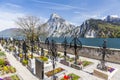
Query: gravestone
39, 68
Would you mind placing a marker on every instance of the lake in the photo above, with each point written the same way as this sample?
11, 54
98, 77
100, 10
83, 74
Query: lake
111, 42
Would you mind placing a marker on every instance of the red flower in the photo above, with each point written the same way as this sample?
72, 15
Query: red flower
66, 77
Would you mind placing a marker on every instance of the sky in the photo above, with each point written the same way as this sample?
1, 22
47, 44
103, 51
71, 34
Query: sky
74, 11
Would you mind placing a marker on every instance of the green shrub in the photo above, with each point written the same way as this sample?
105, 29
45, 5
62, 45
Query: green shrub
15, 77
25, 62
2, 53
71, 59
43, 58
21, 55
11, 48
6, 69
12, 69
2, 62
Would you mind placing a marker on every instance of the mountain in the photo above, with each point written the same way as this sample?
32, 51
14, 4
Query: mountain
57, 26
91, 28
12, 32
112, 19
96, 28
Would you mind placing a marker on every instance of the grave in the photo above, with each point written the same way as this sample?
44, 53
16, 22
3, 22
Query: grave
107, 75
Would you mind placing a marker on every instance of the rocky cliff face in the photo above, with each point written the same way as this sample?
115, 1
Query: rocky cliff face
57, 26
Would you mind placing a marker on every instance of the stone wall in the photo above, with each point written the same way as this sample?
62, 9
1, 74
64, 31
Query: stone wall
91, 52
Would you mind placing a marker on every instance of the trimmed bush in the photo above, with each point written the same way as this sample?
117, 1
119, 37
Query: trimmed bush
25, 62
12, 69
43, 58
2, 62
6, 69
21, 55
15, 77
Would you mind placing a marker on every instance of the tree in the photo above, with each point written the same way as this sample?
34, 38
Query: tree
31, 27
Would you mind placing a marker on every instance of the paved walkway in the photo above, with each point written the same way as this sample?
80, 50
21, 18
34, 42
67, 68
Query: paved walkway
21, 70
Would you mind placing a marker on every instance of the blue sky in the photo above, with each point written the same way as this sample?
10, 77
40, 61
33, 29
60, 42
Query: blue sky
74, 11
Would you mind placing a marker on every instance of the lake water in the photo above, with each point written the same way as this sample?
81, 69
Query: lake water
111, 42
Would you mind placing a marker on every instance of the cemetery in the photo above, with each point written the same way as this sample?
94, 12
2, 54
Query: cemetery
44, 63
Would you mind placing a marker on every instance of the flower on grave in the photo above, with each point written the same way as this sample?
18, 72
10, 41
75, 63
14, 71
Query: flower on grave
1, 79
66, 77
110, 69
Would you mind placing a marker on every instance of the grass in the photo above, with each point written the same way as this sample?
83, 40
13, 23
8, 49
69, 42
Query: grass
86, 63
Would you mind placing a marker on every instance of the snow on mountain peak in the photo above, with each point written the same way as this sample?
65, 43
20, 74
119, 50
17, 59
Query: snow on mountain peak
54, 15
115, 16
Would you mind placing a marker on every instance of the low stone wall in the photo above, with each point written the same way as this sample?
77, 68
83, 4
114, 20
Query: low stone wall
91, 52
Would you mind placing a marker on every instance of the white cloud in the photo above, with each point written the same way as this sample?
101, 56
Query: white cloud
7, 19
8, 13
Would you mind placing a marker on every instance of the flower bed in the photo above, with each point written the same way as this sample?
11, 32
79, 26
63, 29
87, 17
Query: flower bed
13, 77
57, 70
4, 62
72, 76
80, 64
5, 67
